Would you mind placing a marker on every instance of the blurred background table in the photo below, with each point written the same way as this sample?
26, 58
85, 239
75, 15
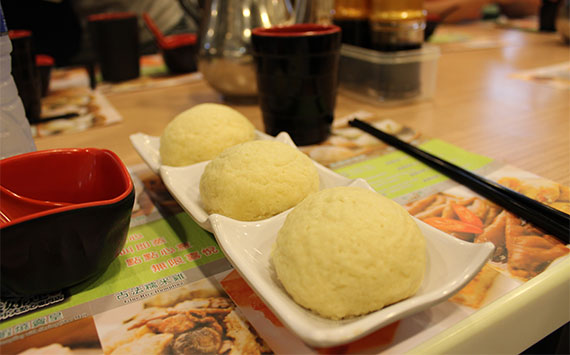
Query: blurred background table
476, 106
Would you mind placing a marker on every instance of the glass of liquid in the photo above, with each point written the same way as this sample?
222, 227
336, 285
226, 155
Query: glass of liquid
352, 17
397, 24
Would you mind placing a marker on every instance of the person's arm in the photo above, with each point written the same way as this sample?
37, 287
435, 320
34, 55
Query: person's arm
465, 10
519, 8
460, 10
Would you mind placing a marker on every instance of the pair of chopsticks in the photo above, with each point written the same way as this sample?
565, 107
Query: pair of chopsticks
550, 220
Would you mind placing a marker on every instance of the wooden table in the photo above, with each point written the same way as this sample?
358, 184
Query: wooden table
476, 105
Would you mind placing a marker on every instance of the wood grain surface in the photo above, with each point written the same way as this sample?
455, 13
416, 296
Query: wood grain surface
477, 105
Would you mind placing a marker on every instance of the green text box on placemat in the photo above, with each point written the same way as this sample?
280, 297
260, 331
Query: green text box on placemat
153, 251
396, 174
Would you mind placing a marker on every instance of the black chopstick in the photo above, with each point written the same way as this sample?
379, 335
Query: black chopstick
550, 220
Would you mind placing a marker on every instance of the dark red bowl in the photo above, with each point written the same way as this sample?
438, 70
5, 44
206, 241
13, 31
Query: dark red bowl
84, 199
180, 60
179, 52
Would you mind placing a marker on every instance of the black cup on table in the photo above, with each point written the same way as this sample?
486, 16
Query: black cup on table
26, 73
179, 52
297, 79
115, 41
44, 63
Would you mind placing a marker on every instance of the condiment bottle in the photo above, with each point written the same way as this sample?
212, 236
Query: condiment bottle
397, 24
352, 17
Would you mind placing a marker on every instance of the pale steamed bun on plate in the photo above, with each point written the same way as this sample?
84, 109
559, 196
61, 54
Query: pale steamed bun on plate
348, 251
256, 180
201, 133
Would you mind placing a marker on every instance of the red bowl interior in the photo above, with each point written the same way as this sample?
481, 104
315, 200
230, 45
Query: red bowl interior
302, 29
67, 178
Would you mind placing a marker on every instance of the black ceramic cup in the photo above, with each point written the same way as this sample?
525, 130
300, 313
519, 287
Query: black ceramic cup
26, 74
297, 79
44, 63
115, 41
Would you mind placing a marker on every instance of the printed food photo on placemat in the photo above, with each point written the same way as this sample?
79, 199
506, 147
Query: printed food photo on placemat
196, 318
522, 250
74, 110
76, 337
347, 142
284, 341
152, 199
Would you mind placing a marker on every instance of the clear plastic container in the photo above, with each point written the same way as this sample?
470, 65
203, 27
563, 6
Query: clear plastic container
15, 133
388, 77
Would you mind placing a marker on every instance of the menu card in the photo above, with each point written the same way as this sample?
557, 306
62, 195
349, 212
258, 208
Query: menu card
74, 109
172, 289
72, 106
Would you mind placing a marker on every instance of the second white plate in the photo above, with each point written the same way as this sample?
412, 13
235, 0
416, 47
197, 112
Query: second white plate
148, 148
184, 184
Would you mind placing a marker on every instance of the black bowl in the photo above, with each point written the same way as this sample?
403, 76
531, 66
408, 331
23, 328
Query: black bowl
85, 196
179, 53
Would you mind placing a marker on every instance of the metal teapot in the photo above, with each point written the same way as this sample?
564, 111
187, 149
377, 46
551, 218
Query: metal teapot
224, 55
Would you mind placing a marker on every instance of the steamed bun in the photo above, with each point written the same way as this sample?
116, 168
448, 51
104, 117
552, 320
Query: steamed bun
348, 251
202, 132
256, 180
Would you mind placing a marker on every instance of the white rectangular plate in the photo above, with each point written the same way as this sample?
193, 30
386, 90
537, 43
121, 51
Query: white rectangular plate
148, 148
451, 264
184, 184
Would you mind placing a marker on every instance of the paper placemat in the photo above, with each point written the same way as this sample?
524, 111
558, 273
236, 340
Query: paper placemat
167, 255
